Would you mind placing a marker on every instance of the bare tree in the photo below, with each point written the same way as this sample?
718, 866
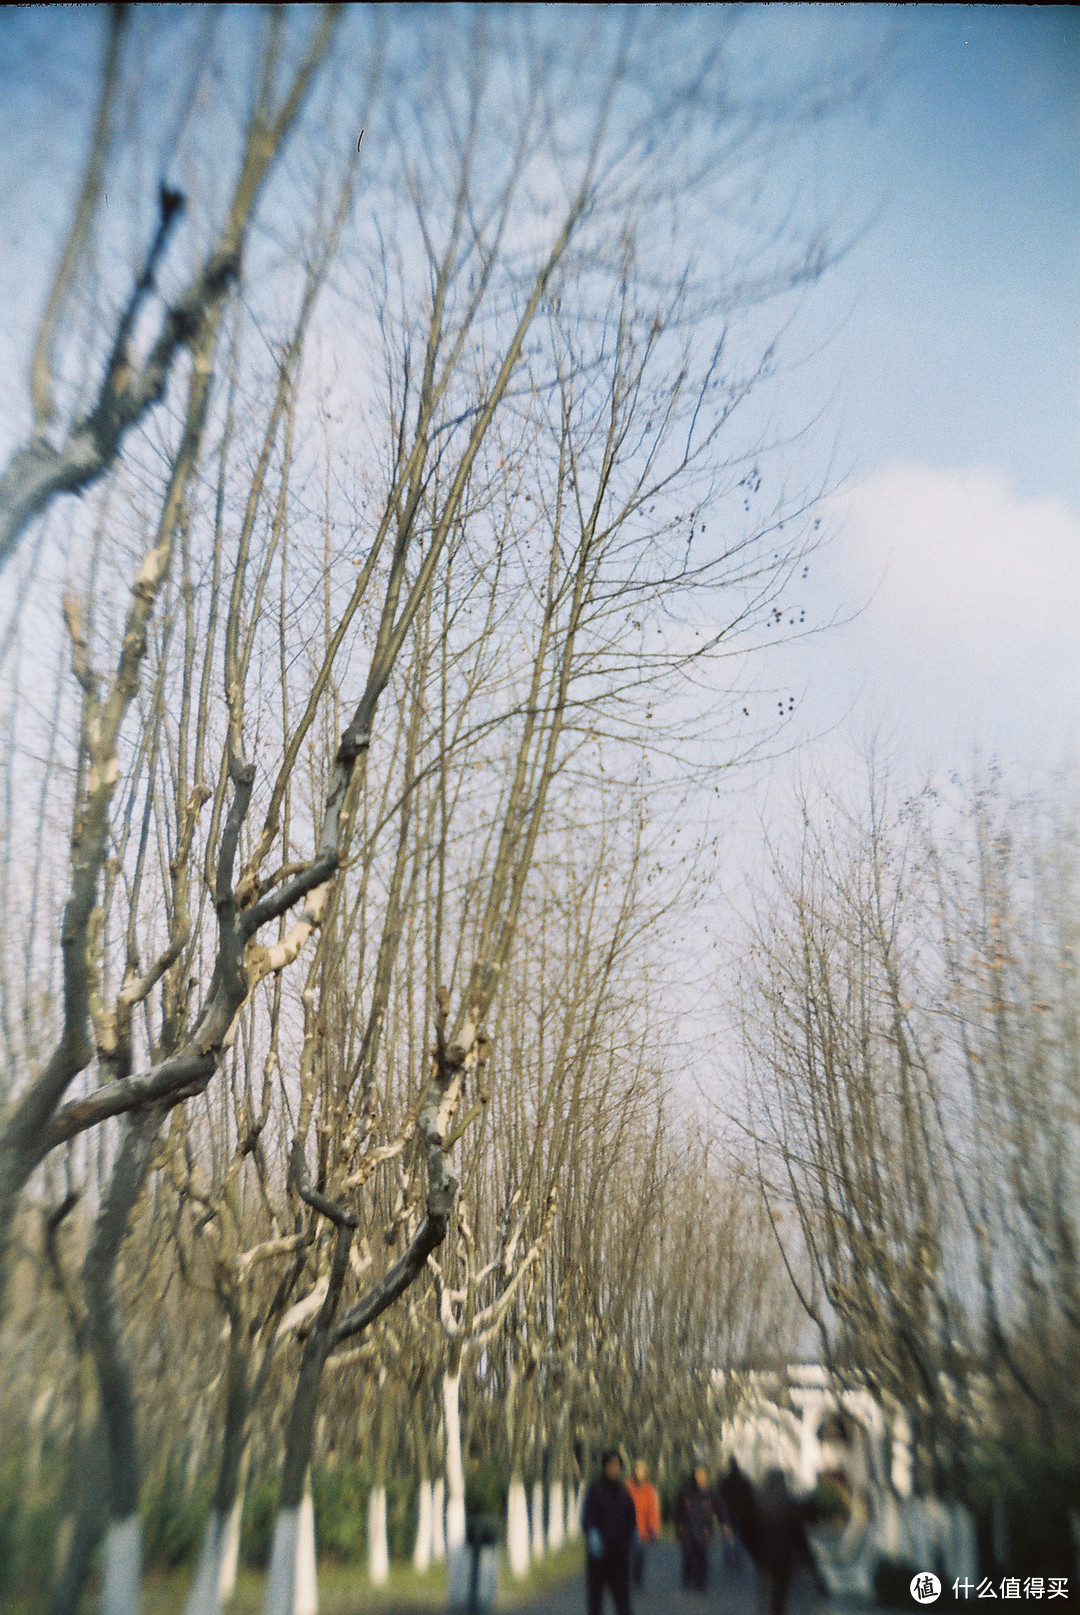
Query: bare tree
852, 1112
134, 382
907, 1017
365, 680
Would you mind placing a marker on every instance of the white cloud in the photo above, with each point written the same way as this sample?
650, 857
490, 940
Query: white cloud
959, 560
967, 625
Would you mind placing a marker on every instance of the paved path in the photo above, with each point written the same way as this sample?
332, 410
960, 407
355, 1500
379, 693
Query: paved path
728, 1594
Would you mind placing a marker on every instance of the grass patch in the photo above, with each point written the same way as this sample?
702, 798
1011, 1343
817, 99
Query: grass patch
345, 1590
552, 1571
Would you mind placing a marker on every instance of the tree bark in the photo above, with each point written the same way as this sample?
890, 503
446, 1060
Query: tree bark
216, 1575
422, 1550
455, 1468
88, 1518
537, 1521
122, 1574
556, 1531
517, 1528
378, 1549
438, 1520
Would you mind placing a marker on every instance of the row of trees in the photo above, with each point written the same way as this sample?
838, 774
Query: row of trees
911, 1019
335, 1029
537, 1340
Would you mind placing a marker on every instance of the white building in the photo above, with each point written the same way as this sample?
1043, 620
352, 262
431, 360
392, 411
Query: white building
796, 1420
799, 1421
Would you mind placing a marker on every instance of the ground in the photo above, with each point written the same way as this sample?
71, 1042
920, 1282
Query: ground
555, 1587
728, 1594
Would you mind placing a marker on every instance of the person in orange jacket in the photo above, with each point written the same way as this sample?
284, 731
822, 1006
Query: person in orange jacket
647, 1510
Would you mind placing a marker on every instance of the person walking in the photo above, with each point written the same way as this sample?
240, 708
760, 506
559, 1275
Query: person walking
694, 1519
781, 1541
737, 1496
647, 1510
609, 1521
729, 1542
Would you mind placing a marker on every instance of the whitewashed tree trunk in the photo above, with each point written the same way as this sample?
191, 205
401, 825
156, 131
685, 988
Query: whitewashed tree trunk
517, 1528
378, 1550
204, 1597
307, 1576
281, 1577
422, 1552
455, 1468
291, 1586
215, 1578
122, 1572
965, 1555
438, 1521
556, 1532
573, 1513
230, 1549
538, 1519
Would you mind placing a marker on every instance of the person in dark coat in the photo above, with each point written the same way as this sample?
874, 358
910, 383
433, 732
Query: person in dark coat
729, 1542
695, 1517
609, 1521
781, 1540
737, 1495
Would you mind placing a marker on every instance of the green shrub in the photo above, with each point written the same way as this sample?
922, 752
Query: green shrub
401, 1516
1037, 1491
30, 1523
485, 1491
257, 1521
829, 1502
173, 1524
340, 1493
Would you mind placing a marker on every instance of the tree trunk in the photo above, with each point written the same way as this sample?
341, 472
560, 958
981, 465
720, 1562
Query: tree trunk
438, 1520
215, 1580
573, 1512
455, 1468
82, 1530
517, 1528
121, 1575
378, 1550
378, 1546
292, 1582
422, 1552
122, 1569
216, 1575
422, 1549
207, 1596
293, 1542
538, 1520
307, 1584
230, 1551
556, 1531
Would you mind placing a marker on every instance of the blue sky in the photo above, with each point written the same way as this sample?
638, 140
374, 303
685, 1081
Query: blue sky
941, 358
971, 274
951, 354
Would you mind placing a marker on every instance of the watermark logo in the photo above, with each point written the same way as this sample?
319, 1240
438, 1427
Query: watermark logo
925, 1587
